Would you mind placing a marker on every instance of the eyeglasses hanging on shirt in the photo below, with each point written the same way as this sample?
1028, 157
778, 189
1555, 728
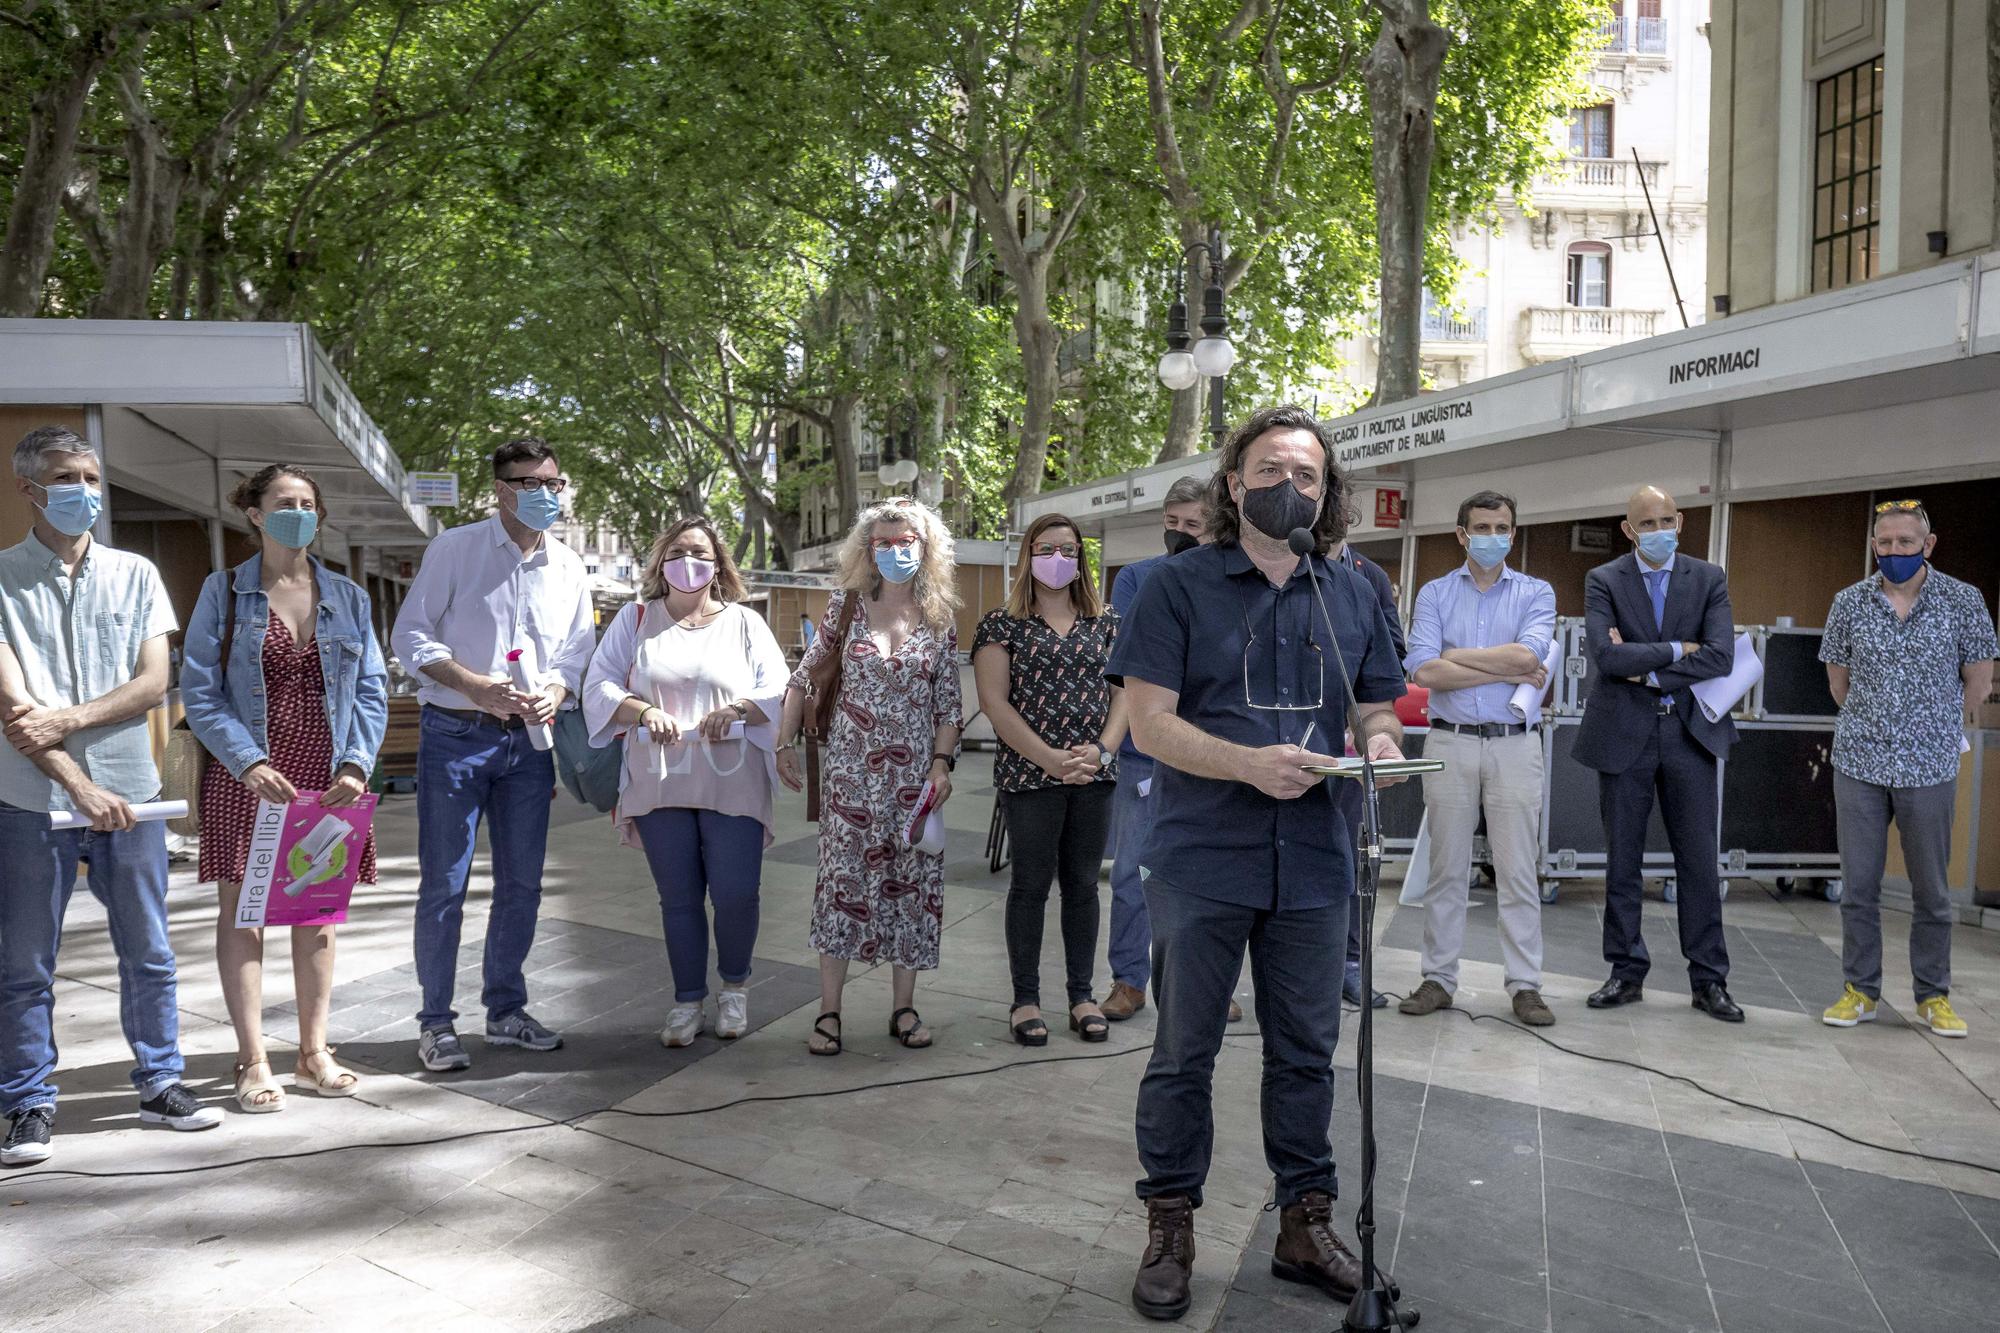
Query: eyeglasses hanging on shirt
1316, 666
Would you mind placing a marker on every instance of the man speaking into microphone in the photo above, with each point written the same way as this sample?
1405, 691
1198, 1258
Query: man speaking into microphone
1234, 681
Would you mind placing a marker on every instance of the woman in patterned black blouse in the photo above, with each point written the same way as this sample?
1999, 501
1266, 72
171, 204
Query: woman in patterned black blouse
1039, 664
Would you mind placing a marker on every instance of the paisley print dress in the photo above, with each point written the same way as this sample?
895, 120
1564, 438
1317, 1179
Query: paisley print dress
878, 900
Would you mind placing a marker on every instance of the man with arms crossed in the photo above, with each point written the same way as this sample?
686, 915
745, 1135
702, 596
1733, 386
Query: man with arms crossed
83, 658
1657, 622
1904, 649
486, 589
1478, 634
1234, 686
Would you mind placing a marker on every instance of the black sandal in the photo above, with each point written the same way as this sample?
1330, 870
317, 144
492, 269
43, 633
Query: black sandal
1029, 1031
833, 1036
1091, 1027
904, 1035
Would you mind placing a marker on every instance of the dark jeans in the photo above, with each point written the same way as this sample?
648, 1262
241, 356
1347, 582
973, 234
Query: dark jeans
1674, 766
467, 770
697, 856
1295, 965
1057, 833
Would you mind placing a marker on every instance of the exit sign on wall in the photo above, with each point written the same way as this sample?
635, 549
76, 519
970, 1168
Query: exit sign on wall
1388, 507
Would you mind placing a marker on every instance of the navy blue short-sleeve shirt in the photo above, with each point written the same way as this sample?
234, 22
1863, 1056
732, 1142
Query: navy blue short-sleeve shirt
1209, 626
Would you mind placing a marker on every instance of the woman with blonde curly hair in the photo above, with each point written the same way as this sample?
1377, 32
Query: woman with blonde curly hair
895, 728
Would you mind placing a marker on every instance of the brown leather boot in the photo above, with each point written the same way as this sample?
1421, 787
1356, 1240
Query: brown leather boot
1308, 1251
1161, 1289
1123, 1002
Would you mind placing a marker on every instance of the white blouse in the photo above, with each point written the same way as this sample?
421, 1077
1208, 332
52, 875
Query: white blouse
688, 673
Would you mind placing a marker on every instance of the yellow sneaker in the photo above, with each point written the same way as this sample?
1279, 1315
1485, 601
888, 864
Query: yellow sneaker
1850, 1009
1937, 1012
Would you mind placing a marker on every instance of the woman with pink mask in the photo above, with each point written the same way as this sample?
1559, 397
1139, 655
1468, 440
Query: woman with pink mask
1039, 664
693, 681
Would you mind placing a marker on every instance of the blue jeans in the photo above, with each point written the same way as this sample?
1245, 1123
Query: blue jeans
699, 855
1295, 963
467, 769
1131, 933
128, 874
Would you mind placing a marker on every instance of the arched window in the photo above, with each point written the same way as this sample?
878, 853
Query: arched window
1589, 278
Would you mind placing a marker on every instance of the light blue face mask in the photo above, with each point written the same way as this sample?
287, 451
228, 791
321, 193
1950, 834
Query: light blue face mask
72, 508
1488, 549
292, 527
1658, 547
898, 564
539, 509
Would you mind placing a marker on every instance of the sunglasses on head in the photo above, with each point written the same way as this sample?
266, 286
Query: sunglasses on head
1900, 507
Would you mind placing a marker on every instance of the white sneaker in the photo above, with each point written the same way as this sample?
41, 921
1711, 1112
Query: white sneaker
732, 1013
683, 1025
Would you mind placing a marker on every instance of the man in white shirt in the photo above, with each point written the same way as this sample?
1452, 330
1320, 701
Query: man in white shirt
485, 590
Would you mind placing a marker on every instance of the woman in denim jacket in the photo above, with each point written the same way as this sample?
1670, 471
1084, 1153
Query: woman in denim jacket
300, 705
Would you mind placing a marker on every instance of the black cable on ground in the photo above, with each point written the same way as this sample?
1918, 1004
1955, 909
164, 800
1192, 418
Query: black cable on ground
570, 1122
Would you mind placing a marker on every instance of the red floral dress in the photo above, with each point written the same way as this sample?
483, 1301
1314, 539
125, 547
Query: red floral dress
877, 899
301, 747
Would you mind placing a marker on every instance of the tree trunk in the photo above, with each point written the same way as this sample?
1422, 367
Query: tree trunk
1992, 108
55, 118
1036, 332
1402, 72
846, 454
1186, 419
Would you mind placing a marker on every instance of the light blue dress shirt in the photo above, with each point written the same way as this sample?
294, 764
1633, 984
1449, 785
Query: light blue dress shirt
78, 639
1666, 584
1452, 612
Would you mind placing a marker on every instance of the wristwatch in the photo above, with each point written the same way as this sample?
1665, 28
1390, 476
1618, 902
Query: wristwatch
950, 764
1103, 758
742, 709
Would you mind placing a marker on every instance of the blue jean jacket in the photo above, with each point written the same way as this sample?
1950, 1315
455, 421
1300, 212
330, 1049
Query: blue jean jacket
227, 710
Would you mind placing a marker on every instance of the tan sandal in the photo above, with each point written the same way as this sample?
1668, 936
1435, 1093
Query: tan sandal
258, 1096
332, 1079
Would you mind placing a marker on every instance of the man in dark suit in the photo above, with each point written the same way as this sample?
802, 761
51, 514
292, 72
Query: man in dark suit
1658, 621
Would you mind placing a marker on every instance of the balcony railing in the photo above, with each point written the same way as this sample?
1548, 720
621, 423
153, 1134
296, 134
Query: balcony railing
1442, 325
1589, 324
1647, 36
1604, 173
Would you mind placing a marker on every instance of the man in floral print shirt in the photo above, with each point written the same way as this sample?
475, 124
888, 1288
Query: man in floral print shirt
1904, 649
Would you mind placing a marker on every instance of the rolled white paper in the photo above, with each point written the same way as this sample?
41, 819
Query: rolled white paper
1527, 701
143, 812
539, 734
1719, 695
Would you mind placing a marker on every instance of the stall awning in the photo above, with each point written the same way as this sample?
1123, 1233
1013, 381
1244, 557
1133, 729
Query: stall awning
187, 408
1926, 339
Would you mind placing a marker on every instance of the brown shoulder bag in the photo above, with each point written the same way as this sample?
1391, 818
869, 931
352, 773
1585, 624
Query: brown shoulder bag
822, 694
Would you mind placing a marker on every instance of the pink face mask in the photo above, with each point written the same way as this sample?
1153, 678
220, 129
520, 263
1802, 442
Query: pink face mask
1053, 570
687, 574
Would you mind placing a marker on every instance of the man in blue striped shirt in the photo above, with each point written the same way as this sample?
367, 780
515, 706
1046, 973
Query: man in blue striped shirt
1476, 636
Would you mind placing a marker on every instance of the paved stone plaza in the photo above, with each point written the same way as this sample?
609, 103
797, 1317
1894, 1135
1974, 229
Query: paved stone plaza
1521, 1187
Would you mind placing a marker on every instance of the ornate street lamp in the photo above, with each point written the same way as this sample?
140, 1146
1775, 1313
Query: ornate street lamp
1214, 354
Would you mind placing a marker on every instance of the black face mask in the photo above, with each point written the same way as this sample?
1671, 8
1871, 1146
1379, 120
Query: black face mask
1276, 510
1178, 541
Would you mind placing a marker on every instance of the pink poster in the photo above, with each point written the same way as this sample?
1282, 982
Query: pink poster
304, 859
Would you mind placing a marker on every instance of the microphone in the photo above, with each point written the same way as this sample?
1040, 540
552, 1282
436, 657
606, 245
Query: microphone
1301, 541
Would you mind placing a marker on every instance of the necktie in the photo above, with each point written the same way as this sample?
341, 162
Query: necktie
1656, 588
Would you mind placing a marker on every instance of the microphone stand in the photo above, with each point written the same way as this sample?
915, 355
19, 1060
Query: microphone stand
1373, 1307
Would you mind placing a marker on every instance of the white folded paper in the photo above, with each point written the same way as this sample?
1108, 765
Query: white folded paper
1719, 695
1527, 701
143, 811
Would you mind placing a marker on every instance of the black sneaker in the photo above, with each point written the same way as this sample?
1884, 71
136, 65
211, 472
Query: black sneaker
174, 1105
28, 1141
